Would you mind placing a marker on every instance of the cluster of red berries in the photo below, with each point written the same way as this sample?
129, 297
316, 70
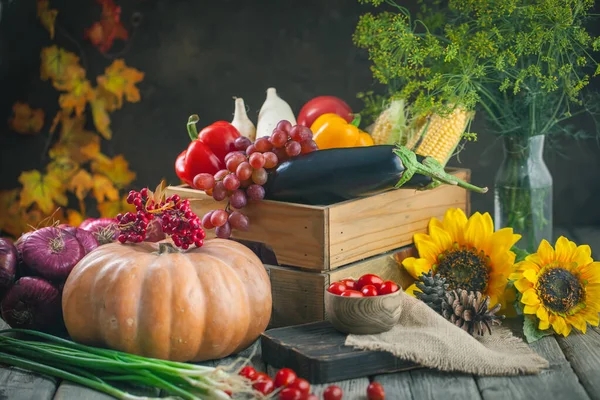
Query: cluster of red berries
174, 214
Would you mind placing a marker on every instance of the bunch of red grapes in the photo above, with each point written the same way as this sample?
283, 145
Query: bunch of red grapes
247, 172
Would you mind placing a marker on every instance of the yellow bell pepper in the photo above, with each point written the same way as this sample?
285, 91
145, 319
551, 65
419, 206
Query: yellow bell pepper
332, 131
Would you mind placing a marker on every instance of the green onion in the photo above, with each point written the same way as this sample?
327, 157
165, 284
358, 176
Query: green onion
96, 368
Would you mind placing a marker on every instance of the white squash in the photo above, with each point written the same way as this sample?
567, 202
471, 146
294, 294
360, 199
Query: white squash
273, 110
241, 121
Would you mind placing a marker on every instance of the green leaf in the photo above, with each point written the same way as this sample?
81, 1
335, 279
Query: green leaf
531, 331
521, 254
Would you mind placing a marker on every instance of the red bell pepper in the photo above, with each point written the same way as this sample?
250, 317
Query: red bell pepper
206, 152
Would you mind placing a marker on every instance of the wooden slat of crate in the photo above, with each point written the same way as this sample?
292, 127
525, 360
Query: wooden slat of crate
298, 296
367, 227
297, 233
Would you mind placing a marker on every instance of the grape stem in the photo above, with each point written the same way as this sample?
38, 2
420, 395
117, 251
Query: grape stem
429, 167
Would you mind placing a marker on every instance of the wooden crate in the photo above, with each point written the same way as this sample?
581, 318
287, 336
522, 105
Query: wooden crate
299, 296
323, 238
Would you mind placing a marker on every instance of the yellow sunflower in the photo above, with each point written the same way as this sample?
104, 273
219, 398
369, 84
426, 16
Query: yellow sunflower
467, 252
561, 286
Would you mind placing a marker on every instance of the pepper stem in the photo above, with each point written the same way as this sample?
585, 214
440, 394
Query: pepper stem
165, 247
356, 120
191, 126
429, 167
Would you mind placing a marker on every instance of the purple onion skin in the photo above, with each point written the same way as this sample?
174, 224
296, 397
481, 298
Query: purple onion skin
95, 224
32, 303
52, 253
87, 239
8, 264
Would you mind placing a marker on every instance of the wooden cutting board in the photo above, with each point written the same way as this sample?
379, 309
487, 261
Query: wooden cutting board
317, 353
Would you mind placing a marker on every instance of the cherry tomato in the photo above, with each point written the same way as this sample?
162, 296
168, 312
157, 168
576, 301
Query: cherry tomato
290, 394
301, 384
369, 290
388, 287
248, 372
284, 377
352, 293
228, 393
261, 376
375, 391
333, 393
264, 387
311, 397
336, 288
350, 284
369, 279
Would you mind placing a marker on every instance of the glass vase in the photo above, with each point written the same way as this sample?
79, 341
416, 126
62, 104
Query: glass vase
523, 191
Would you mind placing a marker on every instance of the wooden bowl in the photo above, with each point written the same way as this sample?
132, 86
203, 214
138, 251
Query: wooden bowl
363, 315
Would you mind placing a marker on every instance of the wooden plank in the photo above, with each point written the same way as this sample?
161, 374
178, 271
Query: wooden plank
317, 353
427, 384
588, 235
296, 232
298, 295
583, 352
72, 391
366, 227
18, 384
557, 382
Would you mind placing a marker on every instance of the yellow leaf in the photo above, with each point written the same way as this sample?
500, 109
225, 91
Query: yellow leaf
110, 209
74, 218
10, 212
55, 62
120, 80
100, 116
47, 17
104, 189
78, 88
75, 142
81, 183
63, 168
116, 169
44, 190
25, 119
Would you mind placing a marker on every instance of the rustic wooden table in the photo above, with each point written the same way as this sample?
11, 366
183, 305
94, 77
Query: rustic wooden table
574, 371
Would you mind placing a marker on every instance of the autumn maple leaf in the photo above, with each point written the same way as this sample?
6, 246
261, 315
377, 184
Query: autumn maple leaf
103, 33
81, 183
116, 169
120, 80
25, 119
63, 168
110, 209
55, 62
75, 142
104, 189
74, 217
47, 16
78, 88
44, 190
102, 103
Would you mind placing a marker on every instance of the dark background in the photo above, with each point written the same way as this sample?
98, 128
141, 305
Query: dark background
197, 55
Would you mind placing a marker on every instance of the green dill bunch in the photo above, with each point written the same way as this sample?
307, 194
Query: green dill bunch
524, 64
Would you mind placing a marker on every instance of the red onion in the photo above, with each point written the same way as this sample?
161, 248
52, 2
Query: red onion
86, 238
105, 229
52, 252
8, 264
154, 232
32, 303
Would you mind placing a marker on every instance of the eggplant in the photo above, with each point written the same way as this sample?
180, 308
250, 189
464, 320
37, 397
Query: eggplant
330, 176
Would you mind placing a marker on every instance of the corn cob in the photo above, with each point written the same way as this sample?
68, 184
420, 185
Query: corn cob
390, 126
441, 135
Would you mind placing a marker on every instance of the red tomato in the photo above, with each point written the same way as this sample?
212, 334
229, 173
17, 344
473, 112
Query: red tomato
333, 393
228, 393
336, 288
370, 279
261, 376
375, 391
284, 377
350, 284
323, 105
311, 397
290, 394
388, 287
352, 293
248, 372
301, 384
264, 387
369, 290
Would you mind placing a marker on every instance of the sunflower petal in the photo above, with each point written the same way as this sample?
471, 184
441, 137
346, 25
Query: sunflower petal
523, 285
475, 232
546, 252
559, 325
563, 249
530, 297
441, 238
530, 275
412, 289
543, 325
455, 222
531, 309
582, 255
428, 250
542, 313
416, 266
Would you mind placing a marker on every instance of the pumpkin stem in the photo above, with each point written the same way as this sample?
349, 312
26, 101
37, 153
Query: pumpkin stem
166, 248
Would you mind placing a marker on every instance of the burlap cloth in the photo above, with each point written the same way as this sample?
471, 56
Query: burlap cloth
426, 338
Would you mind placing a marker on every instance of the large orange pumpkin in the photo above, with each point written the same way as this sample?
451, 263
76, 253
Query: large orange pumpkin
152, 300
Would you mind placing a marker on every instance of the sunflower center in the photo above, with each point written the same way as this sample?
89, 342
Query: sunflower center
464, 269
559, 289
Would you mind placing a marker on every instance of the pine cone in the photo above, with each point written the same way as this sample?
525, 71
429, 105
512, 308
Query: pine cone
433, 290
469, 311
